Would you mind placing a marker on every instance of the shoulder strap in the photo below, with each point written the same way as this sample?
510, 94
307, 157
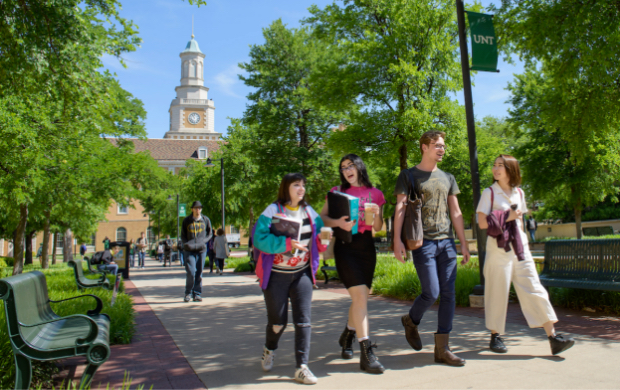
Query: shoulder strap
492, 199
411, 185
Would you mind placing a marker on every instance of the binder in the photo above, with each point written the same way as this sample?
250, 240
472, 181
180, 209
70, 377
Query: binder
283, 225
339, 205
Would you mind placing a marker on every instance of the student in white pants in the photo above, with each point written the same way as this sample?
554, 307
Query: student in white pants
502, 268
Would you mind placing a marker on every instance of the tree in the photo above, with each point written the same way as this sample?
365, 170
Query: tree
576, 46
399, 64
559, 172
289, 130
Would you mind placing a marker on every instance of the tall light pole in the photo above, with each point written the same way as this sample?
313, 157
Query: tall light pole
471, 136
210, 164
178, 238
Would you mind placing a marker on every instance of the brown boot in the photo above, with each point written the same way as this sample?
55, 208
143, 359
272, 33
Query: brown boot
443, 353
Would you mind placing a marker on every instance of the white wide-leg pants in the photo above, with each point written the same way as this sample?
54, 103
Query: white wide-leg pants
500, 269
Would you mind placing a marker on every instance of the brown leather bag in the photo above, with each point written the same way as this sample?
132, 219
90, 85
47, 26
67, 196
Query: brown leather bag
412, 231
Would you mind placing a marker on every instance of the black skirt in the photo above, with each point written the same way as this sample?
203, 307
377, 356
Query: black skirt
356, 261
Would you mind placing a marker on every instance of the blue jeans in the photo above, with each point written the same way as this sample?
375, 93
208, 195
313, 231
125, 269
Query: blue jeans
533, 235
132, 262
113, 268
141, 259
435, 263
194, 262
181, 258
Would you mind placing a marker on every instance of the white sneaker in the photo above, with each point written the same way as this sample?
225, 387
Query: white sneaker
267, 361
305, 376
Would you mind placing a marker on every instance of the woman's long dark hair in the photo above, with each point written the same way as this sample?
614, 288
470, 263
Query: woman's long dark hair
284, 194
362, 173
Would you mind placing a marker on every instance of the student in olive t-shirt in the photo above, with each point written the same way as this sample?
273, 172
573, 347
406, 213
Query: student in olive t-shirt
435, 260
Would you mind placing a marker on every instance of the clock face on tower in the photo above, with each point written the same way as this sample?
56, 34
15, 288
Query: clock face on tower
193, 118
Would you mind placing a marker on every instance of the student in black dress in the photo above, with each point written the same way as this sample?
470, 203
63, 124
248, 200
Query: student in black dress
356, 260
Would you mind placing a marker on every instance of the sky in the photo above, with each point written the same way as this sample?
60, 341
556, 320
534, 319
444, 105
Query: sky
225, 30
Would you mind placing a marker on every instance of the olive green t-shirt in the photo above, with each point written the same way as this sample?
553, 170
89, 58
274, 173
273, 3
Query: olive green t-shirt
436, 186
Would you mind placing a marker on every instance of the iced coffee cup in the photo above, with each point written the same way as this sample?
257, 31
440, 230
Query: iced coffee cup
369, 216
326, 235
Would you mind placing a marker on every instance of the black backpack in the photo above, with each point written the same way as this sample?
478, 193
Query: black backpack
97, 258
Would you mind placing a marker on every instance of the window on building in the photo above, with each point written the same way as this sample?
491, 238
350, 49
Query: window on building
60, 240
121, 234
233, 230
93, 239
122, 209
150, 236
202, 153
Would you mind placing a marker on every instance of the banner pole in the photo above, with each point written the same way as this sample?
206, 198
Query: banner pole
471, 136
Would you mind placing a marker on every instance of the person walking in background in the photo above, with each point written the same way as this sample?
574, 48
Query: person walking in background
532, 225
211, 252
286, 268
132, 254
40, 253
196, 232
222, 252
508, 259
160, 251
106, 243
435, 260
356, 260
83, 249
141, 245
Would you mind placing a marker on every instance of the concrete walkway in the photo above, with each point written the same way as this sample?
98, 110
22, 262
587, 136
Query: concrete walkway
222, 339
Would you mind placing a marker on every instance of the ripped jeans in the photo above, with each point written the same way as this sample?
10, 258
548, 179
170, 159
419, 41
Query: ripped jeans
298, 287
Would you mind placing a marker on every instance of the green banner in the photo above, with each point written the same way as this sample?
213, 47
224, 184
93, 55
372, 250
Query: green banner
483, 42
182, 208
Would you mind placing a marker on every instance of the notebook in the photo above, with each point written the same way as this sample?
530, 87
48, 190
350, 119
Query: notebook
283, 225
341, 204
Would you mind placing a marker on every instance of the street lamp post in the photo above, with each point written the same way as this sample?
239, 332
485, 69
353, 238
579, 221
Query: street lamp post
210, 164
178, 238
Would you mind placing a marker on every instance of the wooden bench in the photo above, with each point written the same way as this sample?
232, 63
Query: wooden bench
587, 264
83, 282
37, 333
326, 267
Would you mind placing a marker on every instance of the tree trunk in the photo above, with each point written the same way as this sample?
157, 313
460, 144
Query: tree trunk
18, 244
578, 219
402, 152
28, 258
46, 242
474, 225
54, 248
67, 253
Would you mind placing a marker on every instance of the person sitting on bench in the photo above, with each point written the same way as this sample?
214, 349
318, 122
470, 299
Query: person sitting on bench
107, 259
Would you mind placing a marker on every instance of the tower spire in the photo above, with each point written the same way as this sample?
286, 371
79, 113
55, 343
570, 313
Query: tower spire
192, 26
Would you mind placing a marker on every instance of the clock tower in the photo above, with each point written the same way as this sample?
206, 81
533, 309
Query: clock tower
192, 112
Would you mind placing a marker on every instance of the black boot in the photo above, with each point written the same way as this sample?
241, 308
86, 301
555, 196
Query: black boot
560, 344
497, 344
368, 360
346, 342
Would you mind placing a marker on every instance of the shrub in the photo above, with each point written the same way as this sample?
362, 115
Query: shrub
6, 262
61, 285
381, 234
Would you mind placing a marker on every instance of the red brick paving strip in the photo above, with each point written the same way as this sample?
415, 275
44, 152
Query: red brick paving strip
152, 358
569, 321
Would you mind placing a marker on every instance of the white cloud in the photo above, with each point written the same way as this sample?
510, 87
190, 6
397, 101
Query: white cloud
132, 65
228, 79
498, 96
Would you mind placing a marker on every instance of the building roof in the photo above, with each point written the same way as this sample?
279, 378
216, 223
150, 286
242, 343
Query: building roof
173, 149
192, 46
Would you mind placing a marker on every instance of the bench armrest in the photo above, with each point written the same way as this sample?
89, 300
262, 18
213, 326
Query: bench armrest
92, 334
97, 309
